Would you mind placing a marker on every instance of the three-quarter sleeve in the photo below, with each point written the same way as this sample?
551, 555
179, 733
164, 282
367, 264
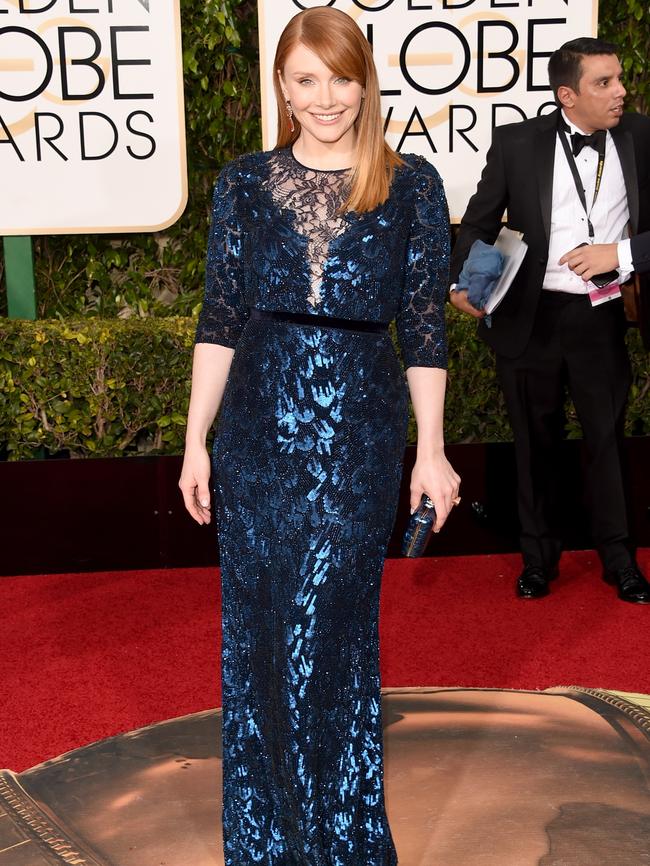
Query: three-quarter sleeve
224, 312
421, 317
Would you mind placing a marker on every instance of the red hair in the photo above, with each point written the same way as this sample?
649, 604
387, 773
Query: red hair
337, 40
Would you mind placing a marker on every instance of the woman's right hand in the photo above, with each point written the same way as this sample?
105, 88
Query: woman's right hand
195, 483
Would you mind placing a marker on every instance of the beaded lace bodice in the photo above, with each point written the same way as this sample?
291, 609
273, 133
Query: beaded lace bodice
279, 241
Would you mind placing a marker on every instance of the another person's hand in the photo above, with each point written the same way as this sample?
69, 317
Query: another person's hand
436, 477
195, 483
459, 300
591, 259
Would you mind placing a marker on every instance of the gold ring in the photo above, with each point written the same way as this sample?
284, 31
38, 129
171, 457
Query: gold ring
456, 501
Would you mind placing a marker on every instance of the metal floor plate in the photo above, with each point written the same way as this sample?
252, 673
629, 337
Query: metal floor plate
474, 777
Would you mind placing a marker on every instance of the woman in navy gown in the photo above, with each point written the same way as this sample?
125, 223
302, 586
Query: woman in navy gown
314, 248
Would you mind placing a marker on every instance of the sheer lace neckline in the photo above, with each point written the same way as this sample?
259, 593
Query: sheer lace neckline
314, 198
311, 168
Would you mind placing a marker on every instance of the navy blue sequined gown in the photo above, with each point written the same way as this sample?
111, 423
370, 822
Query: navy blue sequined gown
306, 469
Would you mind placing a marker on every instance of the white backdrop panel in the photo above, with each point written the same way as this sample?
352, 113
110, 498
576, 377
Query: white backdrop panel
92, 135
449, 70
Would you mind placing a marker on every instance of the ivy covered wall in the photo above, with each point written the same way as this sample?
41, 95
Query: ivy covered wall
144, 276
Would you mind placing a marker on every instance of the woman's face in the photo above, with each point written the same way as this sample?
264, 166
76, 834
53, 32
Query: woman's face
325, 104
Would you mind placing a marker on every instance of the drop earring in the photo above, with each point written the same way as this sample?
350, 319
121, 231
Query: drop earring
290, 116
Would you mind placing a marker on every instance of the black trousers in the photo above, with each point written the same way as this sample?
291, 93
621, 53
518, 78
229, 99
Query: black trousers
582, 348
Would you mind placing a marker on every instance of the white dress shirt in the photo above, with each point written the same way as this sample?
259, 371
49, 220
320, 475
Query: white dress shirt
609, 216
624, 250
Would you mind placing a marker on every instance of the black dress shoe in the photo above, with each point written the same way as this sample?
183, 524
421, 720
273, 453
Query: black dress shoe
632, 585
533, 581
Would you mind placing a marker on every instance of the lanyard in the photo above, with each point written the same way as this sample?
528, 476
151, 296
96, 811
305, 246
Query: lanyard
578, 181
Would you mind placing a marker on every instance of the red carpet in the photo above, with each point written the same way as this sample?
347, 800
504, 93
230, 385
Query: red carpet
85, 656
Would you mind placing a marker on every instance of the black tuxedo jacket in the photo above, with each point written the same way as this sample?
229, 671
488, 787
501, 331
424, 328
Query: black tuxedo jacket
518, 177
641, 253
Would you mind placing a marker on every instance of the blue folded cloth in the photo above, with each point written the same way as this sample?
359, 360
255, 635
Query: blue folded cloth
483, 267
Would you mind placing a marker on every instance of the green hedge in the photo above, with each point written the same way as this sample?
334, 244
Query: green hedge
92, 387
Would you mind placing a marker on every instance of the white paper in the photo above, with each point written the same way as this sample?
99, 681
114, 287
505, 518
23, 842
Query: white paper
513, 248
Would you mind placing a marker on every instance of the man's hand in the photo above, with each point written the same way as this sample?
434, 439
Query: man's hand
591, 259
459, 300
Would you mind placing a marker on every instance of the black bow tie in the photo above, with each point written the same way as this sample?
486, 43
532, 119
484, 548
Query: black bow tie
595, 140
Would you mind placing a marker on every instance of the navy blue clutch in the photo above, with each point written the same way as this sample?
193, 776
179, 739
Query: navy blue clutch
419, 529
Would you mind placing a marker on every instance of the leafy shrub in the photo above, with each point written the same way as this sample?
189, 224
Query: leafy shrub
92, 387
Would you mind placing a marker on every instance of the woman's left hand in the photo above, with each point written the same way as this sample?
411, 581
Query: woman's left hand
436, 477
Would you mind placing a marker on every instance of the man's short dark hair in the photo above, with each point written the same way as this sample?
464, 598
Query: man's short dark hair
565, 64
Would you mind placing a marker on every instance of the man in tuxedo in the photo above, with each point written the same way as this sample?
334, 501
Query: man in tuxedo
577, 175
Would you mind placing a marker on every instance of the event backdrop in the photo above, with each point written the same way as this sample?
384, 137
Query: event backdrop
450, 70
92, 135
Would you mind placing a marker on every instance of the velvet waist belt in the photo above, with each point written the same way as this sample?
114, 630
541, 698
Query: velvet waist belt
318, 321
